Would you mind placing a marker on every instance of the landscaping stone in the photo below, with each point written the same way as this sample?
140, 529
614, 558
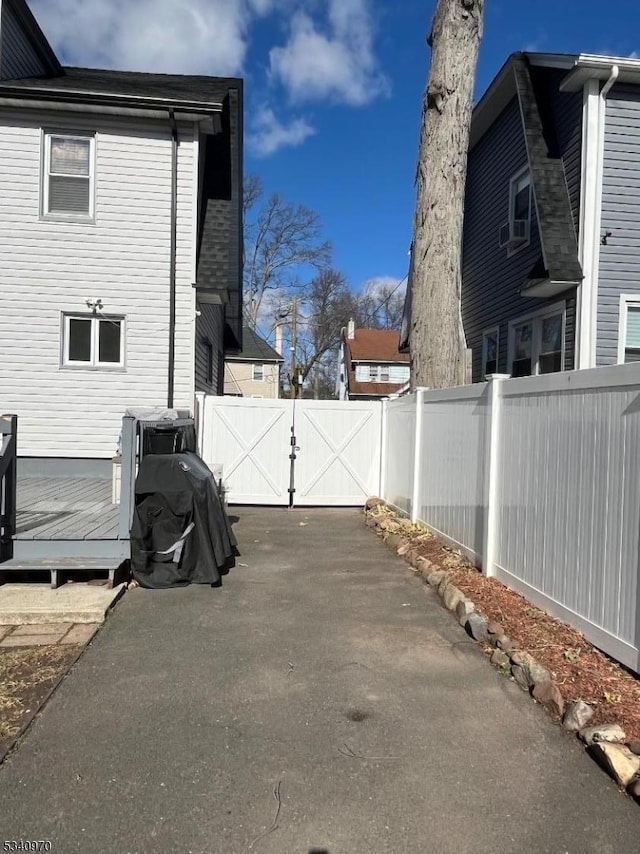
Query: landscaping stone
393, 541
533, 670
634, 788
577, 715
403, 546
520, 675
495, 628
444, 582
634, 746
548, 694
451, 596
372, 502
499, 658
370, 522
435, 578
463, 609
413, 558
476, 626
505, 643
618, 760
602, 733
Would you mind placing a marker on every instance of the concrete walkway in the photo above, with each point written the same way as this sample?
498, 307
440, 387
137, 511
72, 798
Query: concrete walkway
322, 670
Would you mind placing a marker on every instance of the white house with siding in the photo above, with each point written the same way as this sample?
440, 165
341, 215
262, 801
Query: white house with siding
120, 241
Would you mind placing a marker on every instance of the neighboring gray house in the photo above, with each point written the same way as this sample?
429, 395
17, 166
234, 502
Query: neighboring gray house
120, 241
551, 247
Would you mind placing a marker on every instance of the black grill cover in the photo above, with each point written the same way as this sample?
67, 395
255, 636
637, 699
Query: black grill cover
180, 532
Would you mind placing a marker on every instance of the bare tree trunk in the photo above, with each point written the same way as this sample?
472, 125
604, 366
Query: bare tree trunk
435, 339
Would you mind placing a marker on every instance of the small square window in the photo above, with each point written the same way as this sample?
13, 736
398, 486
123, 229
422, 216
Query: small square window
68, 175
90, 341
258, 373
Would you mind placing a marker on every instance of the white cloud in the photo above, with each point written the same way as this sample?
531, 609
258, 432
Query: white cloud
193, 37
338, 63
268, 134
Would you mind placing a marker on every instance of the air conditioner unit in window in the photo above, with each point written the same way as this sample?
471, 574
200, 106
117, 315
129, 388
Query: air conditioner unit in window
514, 233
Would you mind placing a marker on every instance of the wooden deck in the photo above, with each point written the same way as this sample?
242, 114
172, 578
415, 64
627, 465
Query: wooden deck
72, 508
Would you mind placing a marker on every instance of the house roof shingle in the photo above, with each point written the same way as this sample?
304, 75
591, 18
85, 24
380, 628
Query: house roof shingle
254, 349
375, 345
178, 88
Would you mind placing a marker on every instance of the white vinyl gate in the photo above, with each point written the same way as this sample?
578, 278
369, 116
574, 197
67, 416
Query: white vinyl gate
337, 449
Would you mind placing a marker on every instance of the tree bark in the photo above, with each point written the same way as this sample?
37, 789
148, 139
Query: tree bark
436, 342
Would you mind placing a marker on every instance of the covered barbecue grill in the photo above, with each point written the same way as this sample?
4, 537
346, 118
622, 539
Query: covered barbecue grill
180, 532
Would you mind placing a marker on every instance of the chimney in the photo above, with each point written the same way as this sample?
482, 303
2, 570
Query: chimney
279, 339
351, 330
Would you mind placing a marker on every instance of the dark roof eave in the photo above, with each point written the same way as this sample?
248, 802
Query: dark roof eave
106, 99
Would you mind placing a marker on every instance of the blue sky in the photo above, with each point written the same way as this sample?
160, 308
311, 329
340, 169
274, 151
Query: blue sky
333, 88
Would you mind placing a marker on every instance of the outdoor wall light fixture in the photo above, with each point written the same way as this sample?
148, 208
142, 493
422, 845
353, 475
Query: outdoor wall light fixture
94, 304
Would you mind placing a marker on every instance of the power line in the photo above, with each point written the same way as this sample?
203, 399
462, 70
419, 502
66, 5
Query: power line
386, 299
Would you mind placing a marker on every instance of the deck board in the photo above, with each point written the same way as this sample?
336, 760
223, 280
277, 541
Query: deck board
66, 508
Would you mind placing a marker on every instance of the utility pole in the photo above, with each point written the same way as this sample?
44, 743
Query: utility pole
293, 378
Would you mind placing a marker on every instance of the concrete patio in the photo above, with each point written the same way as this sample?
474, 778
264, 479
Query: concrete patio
321, 675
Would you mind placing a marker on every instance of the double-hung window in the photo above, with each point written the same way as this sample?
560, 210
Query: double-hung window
490, 340
536, 344
258, 373
93, 342
68, 175
629, 330
514, 234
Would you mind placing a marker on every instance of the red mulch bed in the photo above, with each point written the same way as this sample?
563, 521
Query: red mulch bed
579, 669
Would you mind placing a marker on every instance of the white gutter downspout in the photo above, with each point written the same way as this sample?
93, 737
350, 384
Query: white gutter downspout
593, 135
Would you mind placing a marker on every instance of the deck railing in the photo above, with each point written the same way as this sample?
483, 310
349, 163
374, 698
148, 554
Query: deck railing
8, 480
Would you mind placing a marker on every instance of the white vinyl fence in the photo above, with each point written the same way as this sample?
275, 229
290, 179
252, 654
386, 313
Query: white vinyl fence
538, 481
336, 446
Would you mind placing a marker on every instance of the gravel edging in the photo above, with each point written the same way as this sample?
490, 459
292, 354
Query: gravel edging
606, 742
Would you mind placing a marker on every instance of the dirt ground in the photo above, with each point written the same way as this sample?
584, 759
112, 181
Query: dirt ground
26, 677
579, 669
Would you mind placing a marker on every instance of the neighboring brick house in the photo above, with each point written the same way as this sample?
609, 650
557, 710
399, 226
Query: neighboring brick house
370, 365
255, 370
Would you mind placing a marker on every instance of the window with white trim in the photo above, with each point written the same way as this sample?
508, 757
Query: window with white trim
490, 343
93, 342
68, 175
258, 373
536, 344
514, 235
629, 342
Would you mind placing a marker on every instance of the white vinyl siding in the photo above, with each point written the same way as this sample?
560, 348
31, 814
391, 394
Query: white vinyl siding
52, 267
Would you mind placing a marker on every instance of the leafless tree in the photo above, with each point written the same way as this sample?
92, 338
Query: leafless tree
436, 339
326, 306
380, 305
283, 241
